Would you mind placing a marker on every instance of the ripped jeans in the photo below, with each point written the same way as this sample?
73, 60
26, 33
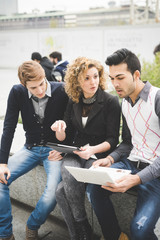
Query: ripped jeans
146, 214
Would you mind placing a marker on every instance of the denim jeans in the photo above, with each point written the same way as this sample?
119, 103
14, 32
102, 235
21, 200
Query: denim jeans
146, 213
19, 164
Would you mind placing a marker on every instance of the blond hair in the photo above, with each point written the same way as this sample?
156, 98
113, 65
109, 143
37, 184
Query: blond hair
30, 71
75, 73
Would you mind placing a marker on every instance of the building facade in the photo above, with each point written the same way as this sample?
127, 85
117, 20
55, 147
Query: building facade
8, 7
91, 18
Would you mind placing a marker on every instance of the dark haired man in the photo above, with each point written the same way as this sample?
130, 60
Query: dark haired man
40, 103
156, 49
45, 63
141, 145
60, 67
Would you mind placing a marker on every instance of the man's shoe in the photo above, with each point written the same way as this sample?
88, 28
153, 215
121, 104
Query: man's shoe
8, 238
31, 234
84, 231
123, 236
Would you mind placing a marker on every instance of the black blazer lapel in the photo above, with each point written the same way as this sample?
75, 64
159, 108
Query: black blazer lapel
77, 108
94, 111
97, 106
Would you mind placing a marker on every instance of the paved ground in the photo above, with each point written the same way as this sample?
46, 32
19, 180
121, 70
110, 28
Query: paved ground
53, 229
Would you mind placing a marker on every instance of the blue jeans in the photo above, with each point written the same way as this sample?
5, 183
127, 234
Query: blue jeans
20, 163
146, 213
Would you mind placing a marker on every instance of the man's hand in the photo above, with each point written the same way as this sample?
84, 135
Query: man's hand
54, 156
104, 162
123, 184
4, 171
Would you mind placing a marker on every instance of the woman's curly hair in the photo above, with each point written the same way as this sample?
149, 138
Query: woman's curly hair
75, 73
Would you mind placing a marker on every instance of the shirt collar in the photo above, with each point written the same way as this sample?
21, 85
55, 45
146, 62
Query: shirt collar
48, 90
144, 92
59, 63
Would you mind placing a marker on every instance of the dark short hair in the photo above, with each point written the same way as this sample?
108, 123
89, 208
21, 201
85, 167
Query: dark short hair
57, 55
156, 49
36, 56
124, 56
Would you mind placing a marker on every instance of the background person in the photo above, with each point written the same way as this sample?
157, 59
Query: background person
156, 49
45, 63
92, 117
141, 126
40, 104
60, 67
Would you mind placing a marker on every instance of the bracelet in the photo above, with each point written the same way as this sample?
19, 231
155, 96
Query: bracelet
111, 162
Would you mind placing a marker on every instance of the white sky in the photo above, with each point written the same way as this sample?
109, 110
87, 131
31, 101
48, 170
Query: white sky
67, 5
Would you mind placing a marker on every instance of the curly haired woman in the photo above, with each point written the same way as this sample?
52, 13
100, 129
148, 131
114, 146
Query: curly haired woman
92, 123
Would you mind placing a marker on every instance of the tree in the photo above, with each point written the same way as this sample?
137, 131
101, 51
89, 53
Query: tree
151, 71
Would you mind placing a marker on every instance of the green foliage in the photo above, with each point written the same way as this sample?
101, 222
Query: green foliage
151, 71
20, 120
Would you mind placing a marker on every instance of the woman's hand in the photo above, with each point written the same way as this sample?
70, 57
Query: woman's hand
86, 152
58, 126
54, 156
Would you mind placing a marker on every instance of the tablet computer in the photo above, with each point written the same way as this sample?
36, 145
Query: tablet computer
100, 175
62, 148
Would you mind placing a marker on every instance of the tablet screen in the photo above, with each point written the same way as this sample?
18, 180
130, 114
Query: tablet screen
62, 148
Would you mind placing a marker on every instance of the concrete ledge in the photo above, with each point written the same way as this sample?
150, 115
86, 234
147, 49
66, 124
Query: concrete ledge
28, 188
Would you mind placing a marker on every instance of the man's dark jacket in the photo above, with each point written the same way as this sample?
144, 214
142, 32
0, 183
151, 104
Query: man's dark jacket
35, 132
61, 67
47, 66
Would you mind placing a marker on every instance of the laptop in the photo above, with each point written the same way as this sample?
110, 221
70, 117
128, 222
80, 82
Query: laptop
100, 175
